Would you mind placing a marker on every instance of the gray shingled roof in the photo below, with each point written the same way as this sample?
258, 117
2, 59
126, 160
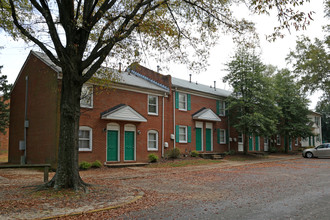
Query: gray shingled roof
47, 61
131, 79
180, 83
123, 77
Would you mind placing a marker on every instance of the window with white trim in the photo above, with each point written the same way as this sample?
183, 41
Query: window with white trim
86, 97
182, 101
222, 108
296, 141
152, 140
240, 138
85, 138
266, 140
278, 139
183, 134
222, 136
152, 105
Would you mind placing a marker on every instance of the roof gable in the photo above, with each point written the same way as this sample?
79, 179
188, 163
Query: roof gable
123, 112
206, 114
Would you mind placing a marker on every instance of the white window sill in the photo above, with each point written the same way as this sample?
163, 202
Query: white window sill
154, 114
85, 150
86, 106
152, 149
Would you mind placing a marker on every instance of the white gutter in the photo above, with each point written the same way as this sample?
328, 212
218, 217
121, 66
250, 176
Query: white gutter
163, 128
174, 118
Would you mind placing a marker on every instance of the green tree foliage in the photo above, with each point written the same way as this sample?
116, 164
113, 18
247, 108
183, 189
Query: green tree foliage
293, 104
81, 35
4, 102
252, 108
324, 109
310, 61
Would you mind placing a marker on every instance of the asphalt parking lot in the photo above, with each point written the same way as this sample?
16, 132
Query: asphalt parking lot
297, 188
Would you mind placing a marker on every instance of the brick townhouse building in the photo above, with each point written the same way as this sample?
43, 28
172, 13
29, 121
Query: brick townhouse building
142, 112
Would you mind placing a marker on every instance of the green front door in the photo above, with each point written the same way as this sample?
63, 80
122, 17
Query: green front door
198, 139
290, 144
129, 145
112, 145
208, 139
250, 143
257, 143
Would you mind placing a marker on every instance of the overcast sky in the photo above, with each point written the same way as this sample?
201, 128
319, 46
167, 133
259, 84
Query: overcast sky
13, 55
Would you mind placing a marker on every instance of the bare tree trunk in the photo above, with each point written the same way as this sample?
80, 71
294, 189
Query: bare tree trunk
67, 173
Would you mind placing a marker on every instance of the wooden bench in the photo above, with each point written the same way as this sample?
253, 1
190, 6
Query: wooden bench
45, 166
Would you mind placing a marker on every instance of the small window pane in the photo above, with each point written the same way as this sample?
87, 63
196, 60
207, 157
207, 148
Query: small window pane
152, 109
152, 100
240, 138
85, 138
222, 136
152, 104
83, 143
182, 101
152, 140
183, 134
86, 96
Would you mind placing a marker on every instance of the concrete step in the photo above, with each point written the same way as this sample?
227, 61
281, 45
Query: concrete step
119, 165
216, 157
211, 155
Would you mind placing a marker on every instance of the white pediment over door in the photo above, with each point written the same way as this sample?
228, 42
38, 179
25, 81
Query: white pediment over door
123, 113
207, 115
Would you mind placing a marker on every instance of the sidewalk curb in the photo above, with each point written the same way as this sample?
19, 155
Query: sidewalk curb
137, 197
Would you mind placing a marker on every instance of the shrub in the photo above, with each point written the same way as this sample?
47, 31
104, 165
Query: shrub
272, 149
231, 152
96, 164
194, 153
174, 153
152, 158
84, 165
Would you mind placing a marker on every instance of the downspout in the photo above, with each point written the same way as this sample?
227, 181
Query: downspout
163, 128
23, 161
173, 97
228, 125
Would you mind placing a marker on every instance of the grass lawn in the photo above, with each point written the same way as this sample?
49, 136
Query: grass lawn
183, 162
247, 157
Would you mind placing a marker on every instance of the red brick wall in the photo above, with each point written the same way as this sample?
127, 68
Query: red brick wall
185, 118
42, 113
4, 138
108, 99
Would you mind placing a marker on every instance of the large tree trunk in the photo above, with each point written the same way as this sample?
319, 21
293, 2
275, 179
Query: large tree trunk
245, 144
286, 141
67, 172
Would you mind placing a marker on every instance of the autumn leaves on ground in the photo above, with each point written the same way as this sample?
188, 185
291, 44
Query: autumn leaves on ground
111, 187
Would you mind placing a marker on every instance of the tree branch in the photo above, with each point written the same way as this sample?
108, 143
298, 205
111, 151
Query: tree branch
29, 36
